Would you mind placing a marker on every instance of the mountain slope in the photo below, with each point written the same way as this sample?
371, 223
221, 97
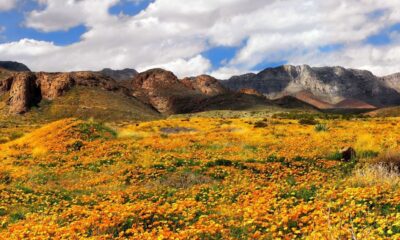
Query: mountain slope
329, 84
14, 66
75, 94
90, 102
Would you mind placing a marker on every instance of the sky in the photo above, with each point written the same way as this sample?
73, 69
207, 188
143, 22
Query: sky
191, 37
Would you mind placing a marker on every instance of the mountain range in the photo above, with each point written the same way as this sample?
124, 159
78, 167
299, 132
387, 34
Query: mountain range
158, 92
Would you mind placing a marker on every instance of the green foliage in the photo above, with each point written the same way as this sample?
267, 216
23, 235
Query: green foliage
321, 127
16, 216
16, 135
334, 156
220, 162
91, 131
76, 146
368, 154
308, 121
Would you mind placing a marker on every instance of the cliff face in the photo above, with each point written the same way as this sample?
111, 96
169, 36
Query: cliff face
165, 92
330, 84
158, 88
205, 84
28, 89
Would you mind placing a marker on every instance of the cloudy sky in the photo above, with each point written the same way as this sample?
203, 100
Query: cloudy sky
190, 37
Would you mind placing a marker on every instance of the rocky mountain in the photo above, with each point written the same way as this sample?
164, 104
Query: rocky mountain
93, 94
166, 93
157, 92
119, 75
14, 66
392, 81
326, 84
27, 89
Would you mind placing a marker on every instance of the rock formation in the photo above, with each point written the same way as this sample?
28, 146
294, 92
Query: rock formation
205, 84
28, 89
164, 91
119, 75
250, 91
329, 84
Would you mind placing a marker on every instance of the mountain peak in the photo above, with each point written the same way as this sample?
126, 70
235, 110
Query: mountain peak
14, 66
331, 84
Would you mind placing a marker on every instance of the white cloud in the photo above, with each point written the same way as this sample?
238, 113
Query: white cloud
173, 34
6, 5
182, 68
226, 72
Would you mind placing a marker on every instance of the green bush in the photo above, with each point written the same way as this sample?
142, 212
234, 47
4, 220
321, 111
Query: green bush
321, 127
91, 131
308, 121
16, 135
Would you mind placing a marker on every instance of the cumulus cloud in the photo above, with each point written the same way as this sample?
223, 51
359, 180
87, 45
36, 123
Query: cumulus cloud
182, 68
6, 5
173, 34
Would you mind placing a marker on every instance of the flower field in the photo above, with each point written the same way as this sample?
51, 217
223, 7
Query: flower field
200, 178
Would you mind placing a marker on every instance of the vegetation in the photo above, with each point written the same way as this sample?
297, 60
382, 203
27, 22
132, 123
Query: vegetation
196, 177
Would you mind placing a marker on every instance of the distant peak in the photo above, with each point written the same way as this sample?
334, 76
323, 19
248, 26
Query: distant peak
14, 66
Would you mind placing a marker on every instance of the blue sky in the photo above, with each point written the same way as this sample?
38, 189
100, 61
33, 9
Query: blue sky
217, 37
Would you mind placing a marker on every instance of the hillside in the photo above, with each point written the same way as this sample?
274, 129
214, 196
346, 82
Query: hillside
85, 102
198, 178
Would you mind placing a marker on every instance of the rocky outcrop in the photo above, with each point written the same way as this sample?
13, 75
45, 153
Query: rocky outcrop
329, 84
119, 75
122, 77
14, 66
250, 91
205, 84
24, 93
163, 90
28, 89
392, 81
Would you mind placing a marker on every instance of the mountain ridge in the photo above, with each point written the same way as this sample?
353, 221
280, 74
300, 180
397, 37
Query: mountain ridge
329, 84
323, 88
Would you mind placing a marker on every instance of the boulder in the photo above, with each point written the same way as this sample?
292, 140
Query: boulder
348, 154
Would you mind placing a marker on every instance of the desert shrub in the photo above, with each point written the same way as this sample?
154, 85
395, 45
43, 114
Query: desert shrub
4, 139
5, 177
219, 174
368, 154
334, 156
16, 135
91, 131
375, 174
76, 146
3, 211
220, 162
183, 180
260, 124
321, 127
308, 121
389, 159
16, 216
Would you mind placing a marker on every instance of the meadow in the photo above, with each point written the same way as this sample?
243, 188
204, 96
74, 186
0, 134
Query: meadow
201, 177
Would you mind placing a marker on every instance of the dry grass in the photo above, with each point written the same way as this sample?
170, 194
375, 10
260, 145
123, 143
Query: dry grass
376, 174
389, 159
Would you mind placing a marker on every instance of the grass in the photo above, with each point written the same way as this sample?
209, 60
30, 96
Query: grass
375, 175
321, 127
101, 105
390, 159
